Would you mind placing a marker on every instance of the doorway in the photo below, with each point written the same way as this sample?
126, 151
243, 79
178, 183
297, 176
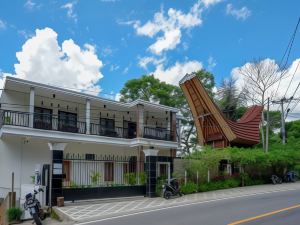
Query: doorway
163, 170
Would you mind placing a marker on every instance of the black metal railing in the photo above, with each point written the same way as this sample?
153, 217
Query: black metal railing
14, 118
119, 132
51, 122
158, 133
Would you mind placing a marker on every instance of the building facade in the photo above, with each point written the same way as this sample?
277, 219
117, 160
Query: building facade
81, 146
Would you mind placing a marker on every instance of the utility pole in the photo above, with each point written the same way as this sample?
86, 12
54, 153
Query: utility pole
282, 121
268, 126
281, 102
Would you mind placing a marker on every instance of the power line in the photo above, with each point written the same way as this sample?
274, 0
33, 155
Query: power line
288, 52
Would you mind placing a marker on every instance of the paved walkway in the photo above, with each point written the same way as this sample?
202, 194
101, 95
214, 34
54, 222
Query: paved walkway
91, 211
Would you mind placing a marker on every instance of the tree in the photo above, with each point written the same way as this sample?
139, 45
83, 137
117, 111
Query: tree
229, 99
151, 89
259, 77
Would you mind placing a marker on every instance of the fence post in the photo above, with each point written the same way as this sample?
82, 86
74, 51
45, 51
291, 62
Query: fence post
197, 178
208, 176
185, 177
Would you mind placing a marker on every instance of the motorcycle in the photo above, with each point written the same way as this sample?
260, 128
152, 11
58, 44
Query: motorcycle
276, 180
34, 206
171, 189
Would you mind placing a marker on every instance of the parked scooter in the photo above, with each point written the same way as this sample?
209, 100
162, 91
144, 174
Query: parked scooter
171, 189
276, 180
290, 176
34, 206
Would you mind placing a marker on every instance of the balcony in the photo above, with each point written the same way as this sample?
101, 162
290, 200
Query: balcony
55, 123
158, 134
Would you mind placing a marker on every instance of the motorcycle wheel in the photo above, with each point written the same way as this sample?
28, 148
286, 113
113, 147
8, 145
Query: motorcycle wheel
37, 219
167, 195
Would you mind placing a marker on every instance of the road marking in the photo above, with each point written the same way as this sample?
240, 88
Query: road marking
264, 215
183, 205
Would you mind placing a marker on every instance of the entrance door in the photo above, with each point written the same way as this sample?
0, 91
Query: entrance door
163, 170
129, 129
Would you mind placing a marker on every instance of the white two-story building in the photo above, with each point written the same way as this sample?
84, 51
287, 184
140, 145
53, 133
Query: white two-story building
83, 146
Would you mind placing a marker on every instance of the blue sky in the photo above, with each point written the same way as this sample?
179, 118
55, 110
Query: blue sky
220, 36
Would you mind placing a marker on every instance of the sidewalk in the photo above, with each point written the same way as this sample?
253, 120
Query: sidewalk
87, 212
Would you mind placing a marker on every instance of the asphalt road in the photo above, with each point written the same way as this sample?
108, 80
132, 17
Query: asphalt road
221, 212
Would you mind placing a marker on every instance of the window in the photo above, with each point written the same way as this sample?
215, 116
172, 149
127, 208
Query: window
107, 127
42, 118
107, 123
108, 171
89, 156
67, 121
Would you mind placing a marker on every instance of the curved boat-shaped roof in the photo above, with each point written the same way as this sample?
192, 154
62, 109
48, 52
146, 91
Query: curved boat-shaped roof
212, 126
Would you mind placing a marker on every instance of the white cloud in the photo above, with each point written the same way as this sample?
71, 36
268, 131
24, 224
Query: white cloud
284, 84
43, 60
2, 25
113, 67
117, 97
30, 5
70, 10
143, 62
240, 14
209, 3
167, 29
173, 74
211, 63
26, 34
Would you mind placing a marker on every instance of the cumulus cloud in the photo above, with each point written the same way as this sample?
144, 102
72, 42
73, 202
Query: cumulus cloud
173, 74
286, 88
240, 14
43, 60
167, 28
70, 10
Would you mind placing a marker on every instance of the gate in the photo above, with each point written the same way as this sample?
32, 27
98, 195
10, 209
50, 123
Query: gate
91, 176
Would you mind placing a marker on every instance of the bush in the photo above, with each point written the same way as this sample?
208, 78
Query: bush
130, 178
14, 214
216, 185
158, 189
189, 188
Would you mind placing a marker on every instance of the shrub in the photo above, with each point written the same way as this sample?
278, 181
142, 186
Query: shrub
216, 185
189, 188
158, 189
95, 176
14, 214
143, 178
130, 178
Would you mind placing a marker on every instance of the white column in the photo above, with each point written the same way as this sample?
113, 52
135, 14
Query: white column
140, 120
31, 107
88, 116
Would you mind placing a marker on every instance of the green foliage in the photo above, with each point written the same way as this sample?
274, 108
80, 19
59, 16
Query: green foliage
55, 216
160, 181
217, 185
14, 214
32, 179
95, 176
130, 178
189, 188
142, 178
149, 88
73, 184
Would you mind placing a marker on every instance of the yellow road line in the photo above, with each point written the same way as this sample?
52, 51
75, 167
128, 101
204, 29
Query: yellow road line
264, 215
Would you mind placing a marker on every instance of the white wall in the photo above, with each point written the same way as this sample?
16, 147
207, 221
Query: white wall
20, 157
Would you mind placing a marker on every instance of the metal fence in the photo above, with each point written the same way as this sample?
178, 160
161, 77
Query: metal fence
91, 170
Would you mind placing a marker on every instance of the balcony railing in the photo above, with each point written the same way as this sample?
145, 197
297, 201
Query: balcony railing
157, 133
51, 122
